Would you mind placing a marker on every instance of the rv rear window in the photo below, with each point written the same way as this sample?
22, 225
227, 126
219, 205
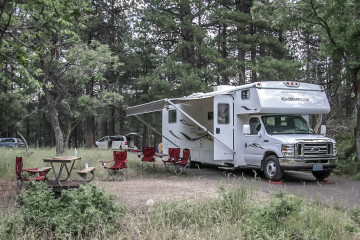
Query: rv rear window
172, 116
223, 113
245, 94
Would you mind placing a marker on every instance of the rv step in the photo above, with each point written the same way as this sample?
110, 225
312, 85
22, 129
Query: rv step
227, 168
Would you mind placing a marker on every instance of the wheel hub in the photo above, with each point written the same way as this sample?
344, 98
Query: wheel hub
271, 168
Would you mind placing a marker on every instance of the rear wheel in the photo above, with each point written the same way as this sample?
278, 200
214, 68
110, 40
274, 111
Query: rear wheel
272, 168
321, 175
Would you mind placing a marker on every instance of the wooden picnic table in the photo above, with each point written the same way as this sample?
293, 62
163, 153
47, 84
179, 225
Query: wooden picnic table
63, 164
161, 155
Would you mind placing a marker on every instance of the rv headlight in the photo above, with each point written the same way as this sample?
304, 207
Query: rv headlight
288, 150
334, 149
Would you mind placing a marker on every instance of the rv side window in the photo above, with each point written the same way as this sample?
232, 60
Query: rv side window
245, 94
223, 113
255, 125
172, 116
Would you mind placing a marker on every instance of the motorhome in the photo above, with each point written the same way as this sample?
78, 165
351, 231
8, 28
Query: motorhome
262, 125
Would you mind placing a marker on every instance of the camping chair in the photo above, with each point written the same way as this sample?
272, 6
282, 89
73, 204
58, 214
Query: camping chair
32, 172
119, 168
174, 154
183, 162
147, 157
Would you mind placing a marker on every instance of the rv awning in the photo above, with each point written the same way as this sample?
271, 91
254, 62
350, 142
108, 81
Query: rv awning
146, 108
158, 105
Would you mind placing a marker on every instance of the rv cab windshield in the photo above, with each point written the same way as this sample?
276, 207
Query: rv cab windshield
286, 124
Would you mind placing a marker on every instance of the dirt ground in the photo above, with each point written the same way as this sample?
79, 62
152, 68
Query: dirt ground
7, 193
140, 192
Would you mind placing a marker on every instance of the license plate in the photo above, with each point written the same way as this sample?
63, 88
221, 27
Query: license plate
317, 167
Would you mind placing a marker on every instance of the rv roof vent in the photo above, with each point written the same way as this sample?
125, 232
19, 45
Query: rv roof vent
223, 87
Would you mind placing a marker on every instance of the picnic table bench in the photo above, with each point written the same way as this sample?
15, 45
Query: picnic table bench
84, 173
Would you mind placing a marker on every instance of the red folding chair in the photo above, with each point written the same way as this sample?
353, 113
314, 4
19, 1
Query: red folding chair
32, 172
119, 168
174, 154
147, 157
183, 162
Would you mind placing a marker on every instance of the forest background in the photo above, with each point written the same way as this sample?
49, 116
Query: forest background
70, 68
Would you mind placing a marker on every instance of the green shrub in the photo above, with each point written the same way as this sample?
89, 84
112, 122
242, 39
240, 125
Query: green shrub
348, 163
236, 214
355, 215
76, 211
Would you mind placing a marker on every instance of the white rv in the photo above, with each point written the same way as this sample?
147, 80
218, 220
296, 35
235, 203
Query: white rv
262, 125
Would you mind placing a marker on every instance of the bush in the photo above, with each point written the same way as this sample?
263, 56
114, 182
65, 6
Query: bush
76, 211
348, 163
236, 214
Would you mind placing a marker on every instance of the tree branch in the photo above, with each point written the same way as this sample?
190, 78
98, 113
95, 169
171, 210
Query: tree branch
324, 24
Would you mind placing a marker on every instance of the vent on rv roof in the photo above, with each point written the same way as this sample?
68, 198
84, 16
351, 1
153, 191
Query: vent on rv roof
291, 84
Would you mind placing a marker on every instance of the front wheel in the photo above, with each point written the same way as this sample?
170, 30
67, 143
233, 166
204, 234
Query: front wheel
321, 175
272, 168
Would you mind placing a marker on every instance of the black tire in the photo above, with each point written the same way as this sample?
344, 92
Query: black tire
321, 175
272, 168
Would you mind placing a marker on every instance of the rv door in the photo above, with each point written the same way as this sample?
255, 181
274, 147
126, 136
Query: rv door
223, 127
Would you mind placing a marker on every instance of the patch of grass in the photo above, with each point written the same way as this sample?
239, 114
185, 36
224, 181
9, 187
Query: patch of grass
91, 156
237, 215
357, 177
77, 212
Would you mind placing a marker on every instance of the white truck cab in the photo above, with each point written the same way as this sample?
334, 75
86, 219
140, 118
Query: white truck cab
262, 125
287, 142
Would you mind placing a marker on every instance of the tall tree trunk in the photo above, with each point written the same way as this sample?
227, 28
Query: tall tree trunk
224, 53
187, 33
105, 128
112, 121
243, 6
90, 120
319, 118
241, 56
58, 134
253, 57
145, 137
122, 117
24, 140
90, 138
308, 58
354, 73
76, 133
67, 136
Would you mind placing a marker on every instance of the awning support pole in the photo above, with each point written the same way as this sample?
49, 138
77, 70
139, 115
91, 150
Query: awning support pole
201, 126
152, 128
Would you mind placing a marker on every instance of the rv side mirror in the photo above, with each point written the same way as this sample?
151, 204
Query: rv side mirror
323, 130
246, 129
